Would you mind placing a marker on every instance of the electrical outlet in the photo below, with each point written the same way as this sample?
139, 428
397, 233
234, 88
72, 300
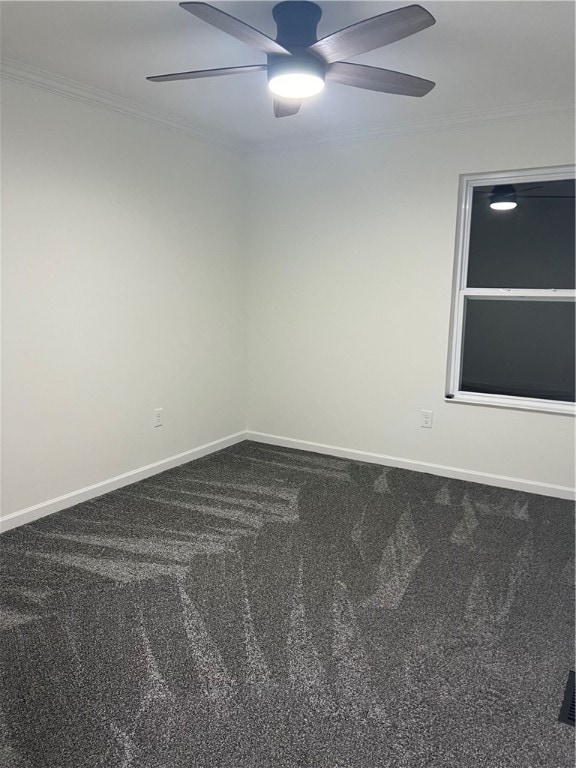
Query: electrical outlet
157, 418
426, 419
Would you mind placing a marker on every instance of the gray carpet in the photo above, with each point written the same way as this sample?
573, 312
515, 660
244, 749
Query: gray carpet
271, 608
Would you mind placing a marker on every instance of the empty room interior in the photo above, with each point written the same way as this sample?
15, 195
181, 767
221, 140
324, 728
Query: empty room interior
288, 384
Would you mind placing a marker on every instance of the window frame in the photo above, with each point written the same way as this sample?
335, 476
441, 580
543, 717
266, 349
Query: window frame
453, 394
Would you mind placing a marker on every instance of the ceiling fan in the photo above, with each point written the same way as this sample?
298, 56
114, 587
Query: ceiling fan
298, 63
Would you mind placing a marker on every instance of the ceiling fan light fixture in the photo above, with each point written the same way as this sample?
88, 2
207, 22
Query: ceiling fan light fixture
503, 206
503, 198
295, 78
298, 85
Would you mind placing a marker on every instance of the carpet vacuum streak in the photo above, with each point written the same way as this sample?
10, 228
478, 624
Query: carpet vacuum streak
271, 608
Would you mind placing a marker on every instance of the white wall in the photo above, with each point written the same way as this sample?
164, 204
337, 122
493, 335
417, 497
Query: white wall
124, 289
122, 292
352, 253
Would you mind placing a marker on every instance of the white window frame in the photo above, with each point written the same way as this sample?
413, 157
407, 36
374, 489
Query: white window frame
468, 182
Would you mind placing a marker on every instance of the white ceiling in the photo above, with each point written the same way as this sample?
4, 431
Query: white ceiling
483, 56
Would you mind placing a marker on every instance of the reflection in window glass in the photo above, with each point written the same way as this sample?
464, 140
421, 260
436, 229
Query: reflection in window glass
531, 246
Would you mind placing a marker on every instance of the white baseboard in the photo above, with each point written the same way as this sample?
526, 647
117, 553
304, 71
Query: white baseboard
69, 499
500, 481
98, 489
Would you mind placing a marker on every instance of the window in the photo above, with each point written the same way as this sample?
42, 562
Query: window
513, 307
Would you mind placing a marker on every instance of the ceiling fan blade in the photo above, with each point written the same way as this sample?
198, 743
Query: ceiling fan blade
521, 192
199, 73
375, 79
286, 107
372, 33
233, 26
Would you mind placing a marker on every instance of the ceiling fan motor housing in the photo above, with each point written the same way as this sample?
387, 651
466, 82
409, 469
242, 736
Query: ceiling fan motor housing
503, 193
296, 23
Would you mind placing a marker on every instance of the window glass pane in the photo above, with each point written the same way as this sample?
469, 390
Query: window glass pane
522, 348
531, 246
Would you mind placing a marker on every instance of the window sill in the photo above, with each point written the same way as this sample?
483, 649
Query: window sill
515, 403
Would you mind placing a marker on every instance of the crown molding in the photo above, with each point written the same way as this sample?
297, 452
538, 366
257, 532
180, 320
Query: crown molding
72, 89
24, 74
